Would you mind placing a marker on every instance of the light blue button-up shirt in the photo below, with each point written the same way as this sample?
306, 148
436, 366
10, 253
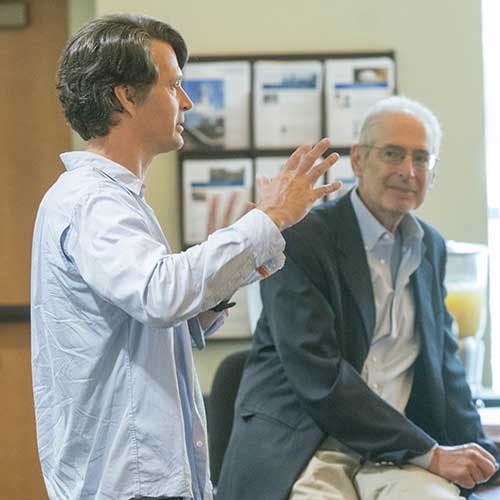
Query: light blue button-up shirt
118, 406
392, 259
388, 368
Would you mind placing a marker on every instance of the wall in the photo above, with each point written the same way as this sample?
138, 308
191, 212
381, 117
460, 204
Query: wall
79, 13
438, 49
32, 134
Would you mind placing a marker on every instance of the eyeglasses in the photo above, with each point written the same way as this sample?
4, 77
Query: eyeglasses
395, 155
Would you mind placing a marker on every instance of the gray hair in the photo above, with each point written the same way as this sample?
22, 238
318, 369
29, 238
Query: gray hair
110, 51
400, 104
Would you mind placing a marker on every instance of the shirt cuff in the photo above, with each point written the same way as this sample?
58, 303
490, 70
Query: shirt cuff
265, 270
204, 325
424, 460
210, 321
264, 236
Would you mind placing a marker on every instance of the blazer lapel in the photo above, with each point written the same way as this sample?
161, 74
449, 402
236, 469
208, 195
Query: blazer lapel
423, 282
354, 265
427, 311
429, 364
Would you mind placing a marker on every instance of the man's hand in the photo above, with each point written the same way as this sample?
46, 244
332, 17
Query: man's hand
290, 195
465, 465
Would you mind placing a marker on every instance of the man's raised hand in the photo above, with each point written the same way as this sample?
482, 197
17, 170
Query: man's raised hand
291, 194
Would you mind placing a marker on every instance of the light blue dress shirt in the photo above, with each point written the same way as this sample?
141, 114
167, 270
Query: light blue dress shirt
392, 259
119, 411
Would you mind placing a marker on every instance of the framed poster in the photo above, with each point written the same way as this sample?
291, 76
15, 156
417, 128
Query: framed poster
352, 86
212, 188
220, 92
287, 103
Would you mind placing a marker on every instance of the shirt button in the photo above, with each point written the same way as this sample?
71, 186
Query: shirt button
375, 386
382, 261
374, 359
199, 444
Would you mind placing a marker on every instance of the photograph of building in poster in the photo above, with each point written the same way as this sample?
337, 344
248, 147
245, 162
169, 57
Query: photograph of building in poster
341, 171
287, 103
352, 86
215, 193
269, 166
220, 92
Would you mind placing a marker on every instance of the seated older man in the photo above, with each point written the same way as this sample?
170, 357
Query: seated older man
354, 389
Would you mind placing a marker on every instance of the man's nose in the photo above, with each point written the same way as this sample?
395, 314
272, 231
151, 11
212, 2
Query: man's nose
185, 102
406, 167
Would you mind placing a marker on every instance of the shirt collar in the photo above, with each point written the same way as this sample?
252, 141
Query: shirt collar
117, 172
372, 230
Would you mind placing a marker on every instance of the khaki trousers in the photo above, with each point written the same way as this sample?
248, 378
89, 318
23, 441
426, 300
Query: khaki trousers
335, 473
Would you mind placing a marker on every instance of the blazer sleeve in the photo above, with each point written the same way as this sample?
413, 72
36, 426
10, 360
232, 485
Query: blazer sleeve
303, 325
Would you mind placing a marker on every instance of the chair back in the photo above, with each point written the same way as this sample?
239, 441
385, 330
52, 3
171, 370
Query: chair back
220, 408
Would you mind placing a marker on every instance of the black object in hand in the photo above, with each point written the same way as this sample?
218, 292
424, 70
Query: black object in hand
225, 304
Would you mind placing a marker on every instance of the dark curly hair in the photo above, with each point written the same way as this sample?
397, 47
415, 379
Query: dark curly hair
110, 51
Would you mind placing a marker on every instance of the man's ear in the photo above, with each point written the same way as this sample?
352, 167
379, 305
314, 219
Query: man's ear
356, 160
126, 98
430, 180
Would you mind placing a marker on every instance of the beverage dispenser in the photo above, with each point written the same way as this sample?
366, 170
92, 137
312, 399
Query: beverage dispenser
467, 285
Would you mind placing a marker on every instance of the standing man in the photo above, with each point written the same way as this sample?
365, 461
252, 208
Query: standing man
118, 406
354, 389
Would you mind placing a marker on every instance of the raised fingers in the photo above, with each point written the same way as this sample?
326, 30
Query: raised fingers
318, 170
296, 157
213, 208
313, 154
228, 213
262, 183
326, 189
